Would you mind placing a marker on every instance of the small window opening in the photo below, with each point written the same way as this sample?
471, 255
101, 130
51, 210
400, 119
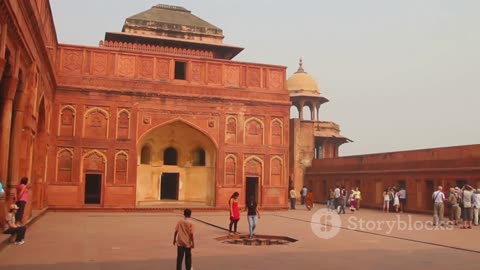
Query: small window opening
180, 70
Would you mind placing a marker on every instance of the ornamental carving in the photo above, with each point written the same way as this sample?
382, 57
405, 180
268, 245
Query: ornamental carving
214, 74
162, 69
126, 65
275, 80
276, 168
72, 61
232, 77
230, 169
100, 63
123, 126
253, 77
67, 121
277, 132
198, 70
253, 168
145, 67
96, 124
231, 130
121, 165
94, 161
253, 132
64, 165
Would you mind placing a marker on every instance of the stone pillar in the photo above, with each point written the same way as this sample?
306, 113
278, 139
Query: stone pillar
3, 62
5, 122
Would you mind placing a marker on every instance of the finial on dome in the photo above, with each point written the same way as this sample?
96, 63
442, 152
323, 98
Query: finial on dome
300, 66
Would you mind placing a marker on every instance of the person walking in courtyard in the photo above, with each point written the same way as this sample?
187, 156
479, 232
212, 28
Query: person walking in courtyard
11, 227
338, 197
234, 213
396, 202
467, 194
331, 200
343, 199
309, 200
358, 198
438, 199
293, 198
454, 207
303, 194
184, 240
386, 200
402, 196
22, 199
476, 206
252, 215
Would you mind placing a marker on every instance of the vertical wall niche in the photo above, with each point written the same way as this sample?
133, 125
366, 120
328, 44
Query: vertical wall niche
230, 169
277, 132
146, 154
198, 157
123, 124
66, 126
96, 123
64, 165
276, 171
121, 167
231, 130
253, 132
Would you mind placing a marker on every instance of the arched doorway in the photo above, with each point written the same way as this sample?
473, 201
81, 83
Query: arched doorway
181, 167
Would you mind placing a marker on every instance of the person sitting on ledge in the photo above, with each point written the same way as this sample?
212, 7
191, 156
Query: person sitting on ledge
12, 228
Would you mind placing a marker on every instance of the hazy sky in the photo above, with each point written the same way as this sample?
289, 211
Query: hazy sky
399, 75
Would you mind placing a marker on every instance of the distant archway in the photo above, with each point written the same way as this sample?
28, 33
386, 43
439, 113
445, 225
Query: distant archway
182, 166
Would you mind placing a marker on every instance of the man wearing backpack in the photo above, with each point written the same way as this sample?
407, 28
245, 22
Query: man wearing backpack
454, 206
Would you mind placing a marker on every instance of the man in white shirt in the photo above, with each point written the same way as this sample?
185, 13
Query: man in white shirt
337, 197
438, 198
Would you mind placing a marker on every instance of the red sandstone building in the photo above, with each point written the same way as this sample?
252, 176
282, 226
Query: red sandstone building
160, 112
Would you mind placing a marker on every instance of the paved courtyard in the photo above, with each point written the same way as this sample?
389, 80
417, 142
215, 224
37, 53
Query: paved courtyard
144, 241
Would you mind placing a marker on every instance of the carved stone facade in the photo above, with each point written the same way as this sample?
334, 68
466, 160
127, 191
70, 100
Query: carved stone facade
139, 119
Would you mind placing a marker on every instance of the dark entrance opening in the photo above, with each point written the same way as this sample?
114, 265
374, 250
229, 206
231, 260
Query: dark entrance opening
93, 188
169, 186
251, 188
429, 191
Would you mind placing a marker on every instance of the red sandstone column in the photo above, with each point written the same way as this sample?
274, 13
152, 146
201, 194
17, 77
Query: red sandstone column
5, 122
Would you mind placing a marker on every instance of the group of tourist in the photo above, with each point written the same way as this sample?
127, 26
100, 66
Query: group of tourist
463, 204
306, 198
14, 224
394, 200
339, 198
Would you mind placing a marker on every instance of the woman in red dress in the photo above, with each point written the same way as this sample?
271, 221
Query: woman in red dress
234, 212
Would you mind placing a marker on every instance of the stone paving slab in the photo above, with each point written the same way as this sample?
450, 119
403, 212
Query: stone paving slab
144, 241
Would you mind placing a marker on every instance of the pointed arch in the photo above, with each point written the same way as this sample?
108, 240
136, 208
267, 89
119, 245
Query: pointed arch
66, 121
64, 164
181, 120
121, 168
254, 131
277, 170
276, 131
95, 126
123, 124
230, 170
